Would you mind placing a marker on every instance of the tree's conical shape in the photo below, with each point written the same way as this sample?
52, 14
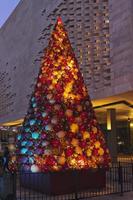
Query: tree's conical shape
60, 130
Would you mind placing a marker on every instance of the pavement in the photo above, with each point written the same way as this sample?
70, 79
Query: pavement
126, 196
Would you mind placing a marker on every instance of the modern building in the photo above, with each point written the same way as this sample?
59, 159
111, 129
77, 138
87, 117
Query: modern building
101, 33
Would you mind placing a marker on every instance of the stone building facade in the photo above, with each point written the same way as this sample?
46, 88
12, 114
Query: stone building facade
101, 33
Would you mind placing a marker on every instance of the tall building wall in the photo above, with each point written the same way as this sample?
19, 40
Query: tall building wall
121, 37
25, 35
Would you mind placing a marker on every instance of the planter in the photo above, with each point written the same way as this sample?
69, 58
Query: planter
64, 182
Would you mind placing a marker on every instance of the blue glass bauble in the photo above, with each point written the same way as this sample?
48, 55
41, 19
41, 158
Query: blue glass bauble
48, 128
27, 130
23, 143
32, 122
38, 151
24, 150
29, 143
35, 135
30, 153
19, 137
27, 135
31, 160
33, 99
34, 105
44, 114
24, 160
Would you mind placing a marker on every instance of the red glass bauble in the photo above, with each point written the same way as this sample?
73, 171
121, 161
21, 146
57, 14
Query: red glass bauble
95, 152
82, 127
69, 151
50, 161
71, 119
69, 135
84, 115
61, 114
43, 135
55, 143
83, 144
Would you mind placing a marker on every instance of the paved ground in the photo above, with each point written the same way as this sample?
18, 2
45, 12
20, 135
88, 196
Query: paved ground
126, 196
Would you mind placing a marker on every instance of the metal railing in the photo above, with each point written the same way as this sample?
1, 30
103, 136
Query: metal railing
119, 179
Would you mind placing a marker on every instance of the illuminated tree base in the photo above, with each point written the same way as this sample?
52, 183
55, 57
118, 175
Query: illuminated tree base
65, 182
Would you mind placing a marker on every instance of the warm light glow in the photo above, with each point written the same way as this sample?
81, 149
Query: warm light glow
11, 147
131, 125
108, 125
13, 123
108, 120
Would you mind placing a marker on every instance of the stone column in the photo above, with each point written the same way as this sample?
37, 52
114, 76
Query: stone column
111, 135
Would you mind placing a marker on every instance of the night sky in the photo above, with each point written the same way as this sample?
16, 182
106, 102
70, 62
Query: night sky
6, 8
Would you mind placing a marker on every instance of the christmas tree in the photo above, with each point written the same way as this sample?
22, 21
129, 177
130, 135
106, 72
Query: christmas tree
60, 130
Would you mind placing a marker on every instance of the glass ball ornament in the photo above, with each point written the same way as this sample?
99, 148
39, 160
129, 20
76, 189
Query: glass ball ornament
38, 151
30, 153
89, 152
94, 129
43, 135
57, 107
34, 168
44, 114
78, 119
27, 135
69, 113
72, 162
49, 96
24, 150
83, 144
54, 120
74, 127
81, 161
45, 143
61, 134
34, 105
19, 136
52, 101
78, 150
75, 142
39, 85
35, 135
24, 160
32, 122
97, 144
37, 144
33, 99
47, 152
61, 160
55, 143
27, 129
48, 127
79, 108
69, 152
29, 143
101, 151
31, 160
23, 143
86, 135
25, 168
